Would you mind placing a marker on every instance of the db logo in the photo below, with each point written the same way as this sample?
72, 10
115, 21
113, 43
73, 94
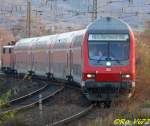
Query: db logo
108, 69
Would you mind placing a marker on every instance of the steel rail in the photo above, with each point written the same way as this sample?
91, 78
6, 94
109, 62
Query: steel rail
24, 96
33, 103
73, 117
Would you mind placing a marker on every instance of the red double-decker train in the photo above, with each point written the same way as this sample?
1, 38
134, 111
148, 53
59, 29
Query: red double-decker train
100, 58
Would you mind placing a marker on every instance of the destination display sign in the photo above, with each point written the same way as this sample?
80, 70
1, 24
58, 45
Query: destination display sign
108, 37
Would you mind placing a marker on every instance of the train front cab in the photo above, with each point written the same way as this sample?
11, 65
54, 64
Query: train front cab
109, 61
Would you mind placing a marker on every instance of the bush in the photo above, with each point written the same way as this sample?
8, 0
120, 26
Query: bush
143, 53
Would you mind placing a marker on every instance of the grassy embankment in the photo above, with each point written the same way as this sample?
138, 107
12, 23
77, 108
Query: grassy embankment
3, 99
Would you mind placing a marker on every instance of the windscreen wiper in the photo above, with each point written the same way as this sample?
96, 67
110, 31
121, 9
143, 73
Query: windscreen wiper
110, 59
98, 60
118, 61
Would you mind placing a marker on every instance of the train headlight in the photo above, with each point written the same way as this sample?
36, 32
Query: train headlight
108, 64
90, 75
126, 76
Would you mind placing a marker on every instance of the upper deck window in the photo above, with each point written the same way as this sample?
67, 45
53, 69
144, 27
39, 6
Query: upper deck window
108, 37
77, 41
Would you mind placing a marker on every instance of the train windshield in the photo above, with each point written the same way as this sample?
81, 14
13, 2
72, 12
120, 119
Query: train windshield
114, 48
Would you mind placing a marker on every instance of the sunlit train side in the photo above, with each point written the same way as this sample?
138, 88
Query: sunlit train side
60, 56
40, 56
23, 55
100, 58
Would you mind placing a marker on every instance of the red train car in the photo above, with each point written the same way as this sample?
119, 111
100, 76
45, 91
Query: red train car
7, 58
100, 58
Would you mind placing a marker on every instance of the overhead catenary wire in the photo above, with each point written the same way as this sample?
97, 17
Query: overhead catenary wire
94, 9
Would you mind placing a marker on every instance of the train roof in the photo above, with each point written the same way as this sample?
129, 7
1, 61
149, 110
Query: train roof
24, 43
46, 41
42, 42
101, 25
65, 39
108, 25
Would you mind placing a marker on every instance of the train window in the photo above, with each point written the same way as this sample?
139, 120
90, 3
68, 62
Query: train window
95, 48
9, 50
57, 44
77, 41
122, 50
3, 50
109, 49
60, 43
63, 43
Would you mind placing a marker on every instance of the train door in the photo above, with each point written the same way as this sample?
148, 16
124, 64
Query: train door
68, 63
51, 44
71, 63
32, 61
76, 59
51, 62
12, 58
30, 58
29, 61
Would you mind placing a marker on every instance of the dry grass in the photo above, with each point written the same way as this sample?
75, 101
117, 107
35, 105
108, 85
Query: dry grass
143, 54
102, 121
143, 68
14, 122
7, 116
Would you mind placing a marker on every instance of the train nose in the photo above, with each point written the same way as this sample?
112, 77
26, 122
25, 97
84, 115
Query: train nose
107, 77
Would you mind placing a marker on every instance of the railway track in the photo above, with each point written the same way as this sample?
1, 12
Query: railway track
47, 91
31, 99
24, 96
73, 117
